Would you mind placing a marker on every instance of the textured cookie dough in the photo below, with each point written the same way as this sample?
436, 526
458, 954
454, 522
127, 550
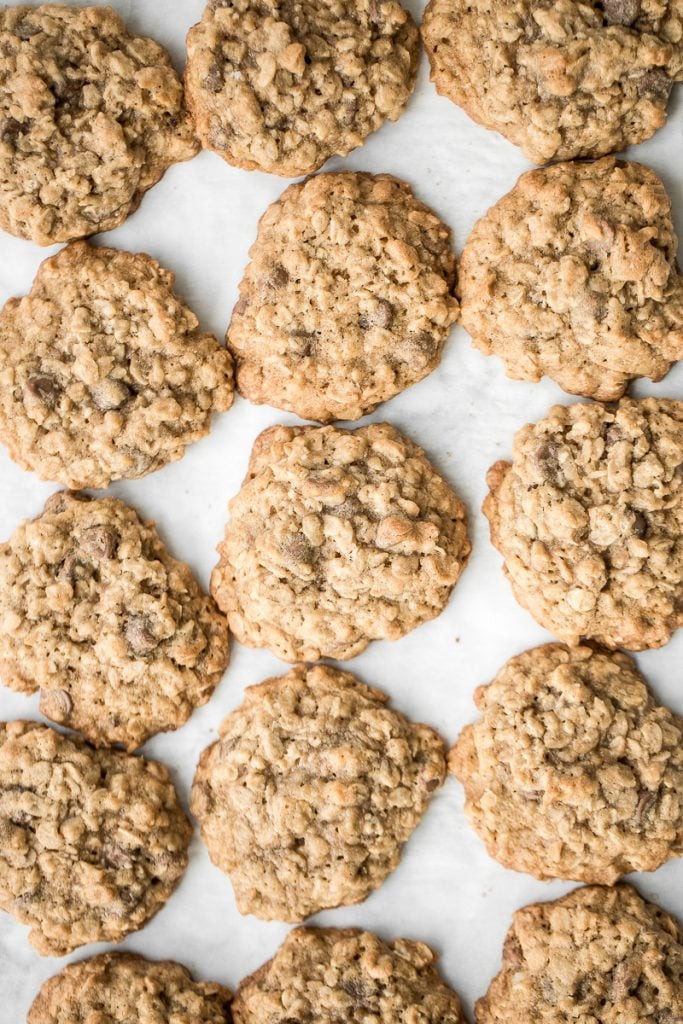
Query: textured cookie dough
311, 791
94, 612
324, 976
559, 78
348, 298
588, 517
90, 118
92, 842
104, 373
599, 955
573, 771
282, 85
337, 537
573, 274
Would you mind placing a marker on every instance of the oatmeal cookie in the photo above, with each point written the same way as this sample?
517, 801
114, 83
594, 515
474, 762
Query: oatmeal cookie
600, 955
312, 790
94, 612
282, 85
90, 118
573, 274
92, 842
104, 372
559, 78
573, 771
326, 975
348, 298
588, 517
337, 537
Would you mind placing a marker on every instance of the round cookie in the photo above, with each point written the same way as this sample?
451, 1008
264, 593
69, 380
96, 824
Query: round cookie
573, 771
327, 975
312, 790
117, 635
282, 85
337, 537
573, 274
348, 298
90, 118
92, 842
588, 517
598, 954
560, 80
104, 372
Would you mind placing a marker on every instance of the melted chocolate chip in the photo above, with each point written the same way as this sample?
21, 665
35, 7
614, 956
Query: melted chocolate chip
278, 277
621, 12
655, 83
214, 79
45, 388
99, 541
139, 635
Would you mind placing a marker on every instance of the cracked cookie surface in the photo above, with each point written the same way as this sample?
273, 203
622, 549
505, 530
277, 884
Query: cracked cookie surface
348, 298
93, 841
311, 791
598, 954
105, 373
573, 771
337, 537
115, 633
588, 517
282, 85
574, 78
573, 274
90, 118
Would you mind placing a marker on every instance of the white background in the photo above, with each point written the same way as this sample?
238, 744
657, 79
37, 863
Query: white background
200, 221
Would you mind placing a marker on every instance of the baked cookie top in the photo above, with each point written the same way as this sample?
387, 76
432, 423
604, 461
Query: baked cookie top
559, 79
282, 85
93, 841
337, 537
117, 635
573, 771
588, 517
598, 954
325, 975
121, 988
90, 118
348, 298
573, 274
105, 374
312, 790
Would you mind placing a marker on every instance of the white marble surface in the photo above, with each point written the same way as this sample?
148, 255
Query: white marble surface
200, 222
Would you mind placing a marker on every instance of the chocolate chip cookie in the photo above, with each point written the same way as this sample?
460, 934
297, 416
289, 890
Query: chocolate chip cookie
117, 635
104, 372
326, 975
573, 274
573, 771
92, 842
282, 85
337, 537
588, 517
559, 79
312, 790
598, 954
348, 298
90, 118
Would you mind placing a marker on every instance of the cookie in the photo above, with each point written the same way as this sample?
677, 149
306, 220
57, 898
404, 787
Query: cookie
282, 85
573, 771
573, 274
312, 790
327, 975
118, 636
92, 842
90, 118
560, 80
348, 298
588, 517
600, 955
337, 537
104, 372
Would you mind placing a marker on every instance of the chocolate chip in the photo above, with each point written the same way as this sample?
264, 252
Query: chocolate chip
69, 568
655, 83
56, 704
431, 785
241, 306
546, 459
45, 388
214, 80
278, 277
26, 29
382, 316
99, 541
11, 129
139, 635
640, 524
297, 549
60, 500
171, 120
621, 12
355, 988
115, 856
303, 342
612, 433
